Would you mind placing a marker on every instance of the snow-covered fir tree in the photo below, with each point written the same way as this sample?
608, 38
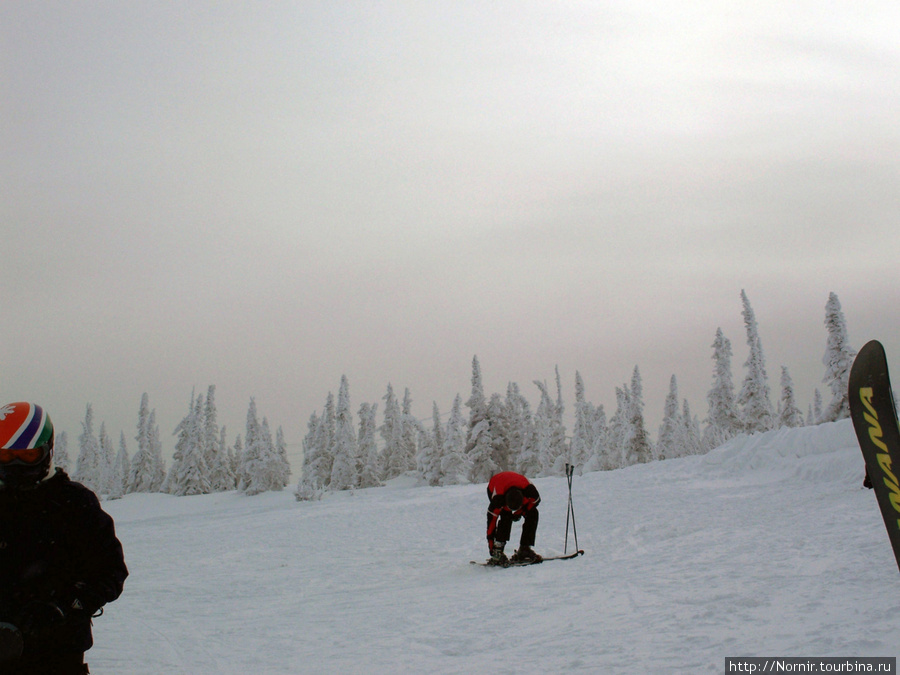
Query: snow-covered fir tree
368, 456
479, 443
838, 359
213, 444
431, 445
410, 430
671, 431
500, 432
691, 437
638, 449
344, 474
617, 431
119, 470
754, 401
789, 414
61, 451
159, 462
309, 487
600, 458
89, 466
454, 462
723, 421
221, 471
261, 467
141, 473
550, 433
189, 473
281, 458
522, 440
324, 444
393, 460
582, 443
107, 460
817, 407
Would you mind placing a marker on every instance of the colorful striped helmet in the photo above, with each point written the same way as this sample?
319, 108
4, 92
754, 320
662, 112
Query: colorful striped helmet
26, 443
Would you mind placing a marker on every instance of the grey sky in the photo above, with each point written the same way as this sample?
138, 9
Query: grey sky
266, 196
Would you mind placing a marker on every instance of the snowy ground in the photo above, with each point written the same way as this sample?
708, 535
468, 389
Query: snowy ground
767, 546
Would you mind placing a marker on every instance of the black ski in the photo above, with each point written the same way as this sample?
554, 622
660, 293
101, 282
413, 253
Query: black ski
875, 421
488, 563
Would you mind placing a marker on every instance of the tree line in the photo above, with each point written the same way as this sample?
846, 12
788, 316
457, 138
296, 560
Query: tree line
498, 432
502, 432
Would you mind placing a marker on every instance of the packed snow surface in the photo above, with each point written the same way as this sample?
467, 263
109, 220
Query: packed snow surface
767, 546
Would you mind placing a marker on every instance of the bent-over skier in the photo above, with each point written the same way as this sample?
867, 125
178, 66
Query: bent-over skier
512, 497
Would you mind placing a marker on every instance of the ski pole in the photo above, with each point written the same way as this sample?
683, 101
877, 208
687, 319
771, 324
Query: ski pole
570, 470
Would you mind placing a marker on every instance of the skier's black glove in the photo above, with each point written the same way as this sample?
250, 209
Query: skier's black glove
81, 600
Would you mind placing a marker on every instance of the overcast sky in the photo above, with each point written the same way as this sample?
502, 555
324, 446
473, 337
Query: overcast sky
265, 196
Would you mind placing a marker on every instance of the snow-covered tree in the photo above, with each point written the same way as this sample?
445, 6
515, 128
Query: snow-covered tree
618, 430
523, 454
88, 467
344, 475
159, 463
221, 471
309, 486
393, 461
638, 449
189, 473
722, 421
61, 451
428, 461
550, 433
107, 461
119, 471
261, 468
692, 439
789, 414
582, 443
479, 443
599, 458
754, 400
500, 432
281, 458
367, 454
838, 359
410, 429
670, 438
454, 462
141, 473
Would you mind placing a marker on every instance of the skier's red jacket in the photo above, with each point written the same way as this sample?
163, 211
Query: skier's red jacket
496, 490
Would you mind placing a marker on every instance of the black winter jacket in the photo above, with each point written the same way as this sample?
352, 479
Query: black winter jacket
57, 547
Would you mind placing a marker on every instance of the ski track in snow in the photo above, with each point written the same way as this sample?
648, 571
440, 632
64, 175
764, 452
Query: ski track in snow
767, 546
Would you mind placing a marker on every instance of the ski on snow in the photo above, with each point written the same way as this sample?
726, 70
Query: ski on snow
875, 421
487, 563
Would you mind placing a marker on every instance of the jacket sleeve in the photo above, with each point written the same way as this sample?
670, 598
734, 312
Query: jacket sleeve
493, 514
100, 570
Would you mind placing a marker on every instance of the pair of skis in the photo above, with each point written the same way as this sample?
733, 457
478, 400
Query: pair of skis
525, 563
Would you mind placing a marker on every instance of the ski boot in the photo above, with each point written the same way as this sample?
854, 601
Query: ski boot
497, 556
525, 554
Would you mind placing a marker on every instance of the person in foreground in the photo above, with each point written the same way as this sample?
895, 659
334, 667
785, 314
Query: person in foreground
60, 560
512, 498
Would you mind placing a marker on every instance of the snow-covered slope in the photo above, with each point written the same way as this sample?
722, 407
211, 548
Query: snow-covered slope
766, 546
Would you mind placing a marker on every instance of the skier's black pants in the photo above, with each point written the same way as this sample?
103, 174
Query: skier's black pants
529, 527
